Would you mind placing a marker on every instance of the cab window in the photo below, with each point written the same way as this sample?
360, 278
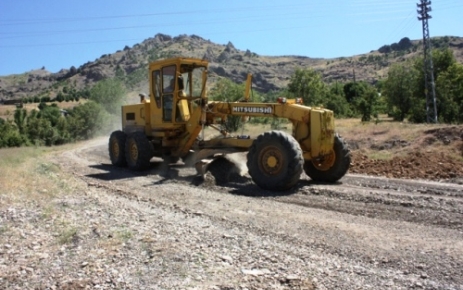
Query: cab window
168, 86
156, 87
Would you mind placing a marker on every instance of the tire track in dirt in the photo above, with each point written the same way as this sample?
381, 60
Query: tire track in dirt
444, 209
384, 224
421, 202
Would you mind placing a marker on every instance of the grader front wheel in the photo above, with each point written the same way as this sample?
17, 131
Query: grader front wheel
138, 151
333, 166
275, 161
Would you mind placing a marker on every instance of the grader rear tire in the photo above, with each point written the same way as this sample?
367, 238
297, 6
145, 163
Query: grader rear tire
332, 168
117, 148
275, 161
138, 151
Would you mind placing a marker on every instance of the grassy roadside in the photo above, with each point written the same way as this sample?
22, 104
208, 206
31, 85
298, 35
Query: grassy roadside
30, 187
26, 174
50, 223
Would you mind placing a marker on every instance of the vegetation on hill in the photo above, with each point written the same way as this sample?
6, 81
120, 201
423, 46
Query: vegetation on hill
51, 125
103, 85
271, 73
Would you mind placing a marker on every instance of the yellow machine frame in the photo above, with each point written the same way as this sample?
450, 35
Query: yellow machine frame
170, 122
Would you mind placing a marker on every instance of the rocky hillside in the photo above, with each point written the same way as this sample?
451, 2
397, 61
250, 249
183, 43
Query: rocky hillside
270, 72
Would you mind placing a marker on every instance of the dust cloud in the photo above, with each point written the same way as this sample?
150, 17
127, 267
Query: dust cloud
239, 160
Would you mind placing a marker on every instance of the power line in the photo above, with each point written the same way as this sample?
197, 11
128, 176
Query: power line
371, 8
210, 21
11, 35
376, 5
67, 43
121, 40
193, 12
401, 29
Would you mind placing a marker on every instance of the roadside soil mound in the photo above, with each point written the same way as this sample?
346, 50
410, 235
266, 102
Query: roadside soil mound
436, 155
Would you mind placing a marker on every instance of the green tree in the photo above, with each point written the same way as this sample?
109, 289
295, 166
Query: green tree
353, 90
51, 113
40, 131
227, 91
9, 135
449, 90
45, 99
62, 128
442, 59
363, 99
84, 94
41, 106
336, 101
120, 72
398, 90
86, 120
60, 97
109, 93
20, 116
366, 104
47, 126
308, 85
338, 104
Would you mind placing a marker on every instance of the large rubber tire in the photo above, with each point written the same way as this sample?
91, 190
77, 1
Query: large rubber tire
117, 148
341, 154
138, 151
275, 161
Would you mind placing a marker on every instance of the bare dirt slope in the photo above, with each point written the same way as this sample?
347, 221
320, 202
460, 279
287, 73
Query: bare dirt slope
430, 152
110, 228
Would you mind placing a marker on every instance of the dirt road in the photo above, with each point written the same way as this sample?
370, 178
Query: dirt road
362, 233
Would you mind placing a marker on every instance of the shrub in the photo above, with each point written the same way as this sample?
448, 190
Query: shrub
109, 94
10, 136
86, 120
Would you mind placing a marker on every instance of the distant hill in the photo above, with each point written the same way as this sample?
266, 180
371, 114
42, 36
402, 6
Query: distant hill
270, 72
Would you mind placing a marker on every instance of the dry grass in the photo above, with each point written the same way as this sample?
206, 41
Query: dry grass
15, 169
354, 129
31, 184
364, 136
25, 174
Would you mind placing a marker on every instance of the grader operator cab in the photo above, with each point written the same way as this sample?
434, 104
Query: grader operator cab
170, 124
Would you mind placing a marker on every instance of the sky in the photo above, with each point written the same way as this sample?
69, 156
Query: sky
58, 34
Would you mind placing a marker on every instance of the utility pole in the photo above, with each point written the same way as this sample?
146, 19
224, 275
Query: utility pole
424, 7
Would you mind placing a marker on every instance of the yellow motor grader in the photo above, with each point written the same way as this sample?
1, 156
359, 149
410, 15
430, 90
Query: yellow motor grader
170, 124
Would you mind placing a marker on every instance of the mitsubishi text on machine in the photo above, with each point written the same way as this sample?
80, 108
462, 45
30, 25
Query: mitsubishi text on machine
253, 110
